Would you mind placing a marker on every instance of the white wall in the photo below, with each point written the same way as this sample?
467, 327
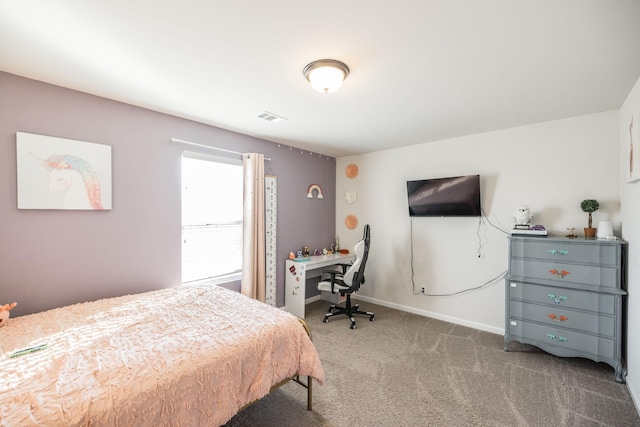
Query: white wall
630, 197
549, 166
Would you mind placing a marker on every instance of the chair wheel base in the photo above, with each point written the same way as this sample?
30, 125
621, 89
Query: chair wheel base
348, 310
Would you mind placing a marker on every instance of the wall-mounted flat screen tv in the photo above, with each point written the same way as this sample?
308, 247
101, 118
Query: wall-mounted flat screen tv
454, 196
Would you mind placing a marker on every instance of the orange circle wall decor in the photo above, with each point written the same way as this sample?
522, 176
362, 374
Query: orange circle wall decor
351, 221
352, 170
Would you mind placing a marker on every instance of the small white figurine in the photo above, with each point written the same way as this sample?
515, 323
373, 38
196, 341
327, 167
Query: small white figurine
522, 216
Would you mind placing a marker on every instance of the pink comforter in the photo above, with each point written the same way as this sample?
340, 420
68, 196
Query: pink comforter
191, 356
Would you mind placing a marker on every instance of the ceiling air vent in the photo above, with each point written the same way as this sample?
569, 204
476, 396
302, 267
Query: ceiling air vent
270, 117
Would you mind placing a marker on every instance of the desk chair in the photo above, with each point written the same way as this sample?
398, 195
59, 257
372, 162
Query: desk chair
348, 281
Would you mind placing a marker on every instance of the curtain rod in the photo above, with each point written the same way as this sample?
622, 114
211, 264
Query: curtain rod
182, 141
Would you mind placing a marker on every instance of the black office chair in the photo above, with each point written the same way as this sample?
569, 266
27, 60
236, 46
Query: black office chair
348, 281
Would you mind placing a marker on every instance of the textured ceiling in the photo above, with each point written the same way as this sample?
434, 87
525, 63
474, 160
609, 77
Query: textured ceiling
421, 70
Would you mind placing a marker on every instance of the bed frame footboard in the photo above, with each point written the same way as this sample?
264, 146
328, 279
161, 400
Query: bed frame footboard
309, 383
296, 378
309, 387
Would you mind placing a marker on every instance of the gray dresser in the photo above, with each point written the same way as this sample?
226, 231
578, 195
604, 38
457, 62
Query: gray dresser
565, 296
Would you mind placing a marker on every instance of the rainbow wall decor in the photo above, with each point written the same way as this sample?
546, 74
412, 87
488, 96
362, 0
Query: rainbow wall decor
311, 189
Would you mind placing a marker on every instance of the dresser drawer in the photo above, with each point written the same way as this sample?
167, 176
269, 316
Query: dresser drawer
565, 273
566, 251
562, 297
563, 342
563, 317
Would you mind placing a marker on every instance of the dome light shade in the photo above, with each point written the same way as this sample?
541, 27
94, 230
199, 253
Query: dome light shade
326, 75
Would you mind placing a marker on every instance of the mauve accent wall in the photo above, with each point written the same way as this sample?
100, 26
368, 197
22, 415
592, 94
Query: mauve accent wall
50, 258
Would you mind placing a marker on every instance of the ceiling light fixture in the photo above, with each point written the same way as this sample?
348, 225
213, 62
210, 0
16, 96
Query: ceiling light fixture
326, 75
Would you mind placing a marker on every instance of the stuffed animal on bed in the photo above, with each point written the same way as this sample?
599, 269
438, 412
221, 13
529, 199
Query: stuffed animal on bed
4, 312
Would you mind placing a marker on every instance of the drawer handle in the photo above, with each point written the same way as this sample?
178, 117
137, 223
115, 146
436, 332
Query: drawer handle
559, 252
558, 318
558, 338
559, 274
558, 299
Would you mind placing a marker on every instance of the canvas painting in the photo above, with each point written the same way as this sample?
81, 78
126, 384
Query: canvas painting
633, 170
58, 173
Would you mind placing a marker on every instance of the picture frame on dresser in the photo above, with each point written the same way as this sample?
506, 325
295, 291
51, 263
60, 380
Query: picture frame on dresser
565, 296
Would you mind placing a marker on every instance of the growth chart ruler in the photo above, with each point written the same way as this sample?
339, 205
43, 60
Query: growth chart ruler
270, 229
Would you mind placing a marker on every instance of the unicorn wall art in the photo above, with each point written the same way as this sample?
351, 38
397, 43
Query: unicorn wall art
55, 173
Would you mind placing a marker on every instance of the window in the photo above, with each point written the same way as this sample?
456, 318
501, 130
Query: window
211, 218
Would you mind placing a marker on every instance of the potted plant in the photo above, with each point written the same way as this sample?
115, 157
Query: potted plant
589, 206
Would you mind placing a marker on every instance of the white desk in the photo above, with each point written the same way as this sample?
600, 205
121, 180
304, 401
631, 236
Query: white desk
296, 274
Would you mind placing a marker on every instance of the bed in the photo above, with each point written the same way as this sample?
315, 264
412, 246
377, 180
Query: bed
191, 355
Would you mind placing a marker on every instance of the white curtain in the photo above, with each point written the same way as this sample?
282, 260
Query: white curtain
253, 256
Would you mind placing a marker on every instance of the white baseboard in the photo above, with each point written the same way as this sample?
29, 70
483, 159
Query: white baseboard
424, 313
634, 397
312, 299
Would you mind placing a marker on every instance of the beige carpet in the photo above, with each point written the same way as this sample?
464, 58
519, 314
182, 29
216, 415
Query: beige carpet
407, 370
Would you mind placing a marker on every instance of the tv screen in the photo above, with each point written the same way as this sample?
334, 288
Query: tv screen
455, 196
